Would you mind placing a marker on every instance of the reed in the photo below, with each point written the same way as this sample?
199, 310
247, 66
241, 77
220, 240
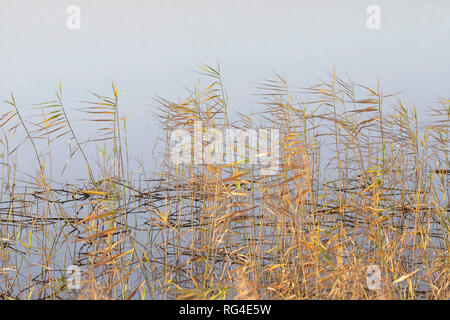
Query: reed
363, 181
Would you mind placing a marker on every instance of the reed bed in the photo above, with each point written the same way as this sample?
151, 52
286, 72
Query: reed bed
363, 181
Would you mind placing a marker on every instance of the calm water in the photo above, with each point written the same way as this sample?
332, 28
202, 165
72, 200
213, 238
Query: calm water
151, 49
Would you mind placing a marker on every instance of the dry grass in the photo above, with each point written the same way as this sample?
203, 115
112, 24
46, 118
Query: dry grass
356, 187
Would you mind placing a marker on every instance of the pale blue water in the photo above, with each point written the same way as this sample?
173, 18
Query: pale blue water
150, 48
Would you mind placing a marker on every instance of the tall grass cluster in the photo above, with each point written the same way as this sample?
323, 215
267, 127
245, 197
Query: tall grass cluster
363, 181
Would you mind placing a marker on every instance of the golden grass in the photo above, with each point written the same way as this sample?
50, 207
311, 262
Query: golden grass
357, 186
